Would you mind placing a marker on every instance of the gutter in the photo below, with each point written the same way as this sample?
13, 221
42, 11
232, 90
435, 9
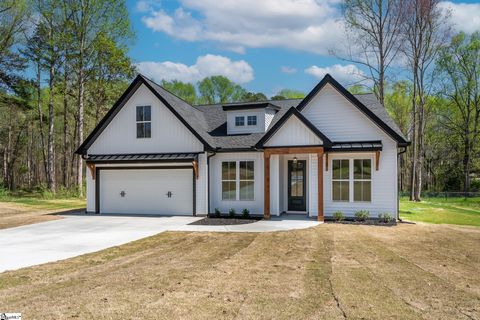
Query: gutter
398, 183
208, 180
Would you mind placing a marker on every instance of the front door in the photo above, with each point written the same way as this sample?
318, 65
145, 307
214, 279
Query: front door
297, 200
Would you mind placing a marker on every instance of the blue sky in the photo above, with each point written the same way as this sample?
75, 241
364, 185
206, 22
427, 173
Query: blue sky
263, 45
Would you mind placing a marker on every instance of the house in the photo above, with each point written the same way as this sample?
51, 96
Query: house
153, 153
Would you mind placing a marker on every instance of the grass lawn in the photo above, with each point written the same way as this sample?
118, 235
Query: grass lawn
331, 271
17, 211
439, 210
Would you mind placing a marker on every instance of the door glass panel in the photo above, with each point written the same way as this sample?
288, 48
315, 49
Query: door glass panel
296, 179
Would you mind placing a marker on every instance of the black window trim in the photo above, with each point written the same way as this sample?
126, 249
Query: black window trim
143, 121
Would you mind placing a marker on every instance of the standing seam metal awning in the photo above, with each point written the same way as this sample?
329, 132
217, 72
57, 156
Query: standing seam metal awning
142, 157
356, 146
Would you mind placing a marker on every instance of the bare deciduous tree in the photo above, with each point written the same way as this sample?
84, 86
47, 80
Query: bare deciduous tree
424, 31
374, 28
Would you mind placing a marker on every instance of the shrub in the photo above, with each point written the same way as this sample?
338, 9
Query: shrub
338, 216
231, 213
362, 215
385, 217
217, 213
246, 213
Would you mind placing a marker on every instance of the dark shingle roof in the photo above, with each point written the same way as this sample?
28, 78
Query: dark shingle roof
209, 122
217, 120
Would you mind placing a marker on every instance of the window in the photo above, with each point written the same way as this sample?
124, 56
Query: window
243, 180
362, 180
341, 180
252, 120
144, 122
246, 180
239, 121
229, 180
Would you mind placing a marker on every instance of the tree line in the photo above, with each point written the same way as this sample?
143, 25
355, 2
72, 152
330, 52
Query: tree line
63, 63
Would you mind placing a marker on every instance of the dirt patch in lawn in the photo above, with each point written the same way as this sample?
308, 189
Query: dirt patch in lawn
222, 221
14, 214
331, 271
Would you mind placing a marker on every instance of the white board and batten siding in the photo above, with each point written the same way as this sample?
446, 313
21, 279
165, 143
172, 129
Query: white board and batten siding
169, 134
341, 121
255, 206
293, 133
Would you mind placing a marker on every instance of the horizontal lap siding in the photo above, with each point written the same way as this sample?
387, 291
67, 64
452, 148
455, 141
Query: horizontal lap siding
340, 121
255, 206
383, 186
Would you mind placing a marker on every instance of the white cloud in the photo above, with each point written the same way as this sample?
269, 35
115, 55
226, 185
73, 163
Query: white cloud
308, 25
209, 65
346, 74
464, 16
289, 70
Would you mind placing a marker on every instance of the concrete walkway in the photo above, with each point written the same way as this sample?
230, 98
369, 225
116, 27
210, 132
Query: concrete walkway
282, 223
78, 234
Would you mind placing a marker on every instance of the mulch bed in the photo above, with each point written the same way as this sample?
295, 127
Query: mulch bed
223, 221
370, 222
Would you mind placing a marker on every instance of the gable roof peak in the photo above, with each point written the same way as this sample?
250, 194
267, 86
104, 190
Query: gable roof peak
398, 137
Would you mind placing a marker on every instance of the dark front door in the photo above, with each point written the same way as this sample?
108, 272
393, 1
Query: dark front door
296, 185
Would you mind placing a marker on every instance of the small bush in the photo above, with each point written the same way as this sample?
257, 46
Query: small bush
217, 213
246, 213
231, 213
4, 193
362, 215
338, 216
385, 217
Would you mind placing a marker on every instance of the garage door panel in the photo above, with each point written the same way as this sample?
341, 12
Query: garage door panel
147, 191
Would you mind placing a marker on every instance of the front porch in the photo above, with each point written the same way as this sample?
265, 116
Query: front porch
293, 181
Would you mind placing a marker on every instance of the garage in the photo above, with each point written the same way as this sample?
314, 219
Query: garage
147, 190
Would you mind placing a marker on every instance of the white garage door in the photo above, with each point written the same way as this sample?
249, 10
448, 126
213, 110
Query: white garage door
146, 191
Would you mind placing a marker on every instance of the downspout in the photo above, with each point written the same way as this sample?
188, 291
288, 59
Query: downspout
398, 183
208, 180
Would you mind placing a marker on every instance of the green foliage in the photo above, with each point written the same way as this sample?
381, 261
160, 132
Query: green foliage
231, 213
253, 97
246, 213
362, 215
385, 217
289, 94
219, 89
338, 216
358, 89
186, 91
217, 213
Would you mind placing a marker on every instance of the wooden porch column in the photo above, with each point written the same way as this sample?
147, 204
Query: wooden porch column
320, 185
266, 183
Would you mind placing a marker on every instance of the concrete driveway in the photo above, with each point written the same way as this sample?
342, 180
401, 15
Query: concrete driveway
76, 235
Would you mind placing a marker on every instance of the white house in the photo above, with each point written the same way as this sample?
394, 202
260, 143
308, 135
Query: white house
153, 153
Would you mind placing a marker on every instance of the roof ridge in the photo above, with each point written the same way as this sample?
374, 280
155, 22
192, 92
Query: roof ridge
244, 102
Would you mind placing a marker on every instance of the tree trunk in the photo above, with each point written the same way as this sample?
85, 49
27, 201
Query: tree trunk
40, 115
466, 166
65, 128
413, 169
51, 118
80, 120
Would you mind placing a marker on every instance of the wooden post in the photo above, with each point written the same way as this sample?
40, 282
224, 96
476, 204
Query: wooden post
195, 168
266, 183
91, 166
377, 160
320, 186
